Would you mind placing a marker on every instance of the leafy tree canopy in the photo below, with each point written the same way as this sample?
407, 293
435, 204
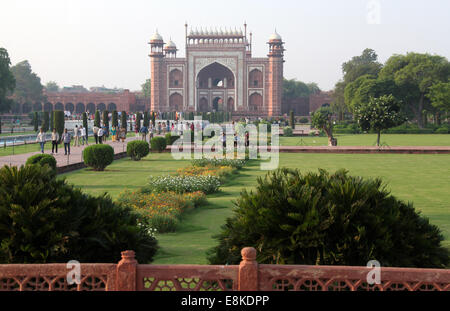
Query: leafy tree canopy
52, 86
28, 84
146, 88
294, 89
7, 81
439, 95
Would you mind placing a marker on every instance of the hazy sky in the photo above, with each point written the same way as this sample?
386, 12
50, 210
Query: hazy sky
99, 42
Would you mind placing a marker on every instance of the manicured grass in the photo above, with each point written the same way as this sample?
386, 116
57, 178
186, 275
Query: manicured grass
24, 149
422, 179
124, 174
370, 140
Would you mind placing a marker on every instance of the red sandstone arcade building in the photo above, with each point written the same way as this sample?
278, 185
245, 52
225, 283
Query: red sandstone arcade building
218, 73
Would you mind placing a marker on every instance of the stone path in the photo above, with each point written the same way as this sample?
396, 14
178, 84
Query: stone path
61, 159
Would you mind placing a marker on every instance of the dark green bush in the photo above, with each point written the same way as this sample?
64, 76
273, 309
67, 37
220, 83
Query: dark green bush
98, 156
442, 130
303, 120
42, 159
137, 149
287, 131
171, 139
43, 220
408, 128
158, 143
328, 219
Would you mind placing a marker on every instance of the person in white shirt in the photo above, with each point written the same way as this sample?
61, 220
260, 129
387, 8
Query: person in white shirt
83, 136
100, 135
41, 139
76, 136
55, 141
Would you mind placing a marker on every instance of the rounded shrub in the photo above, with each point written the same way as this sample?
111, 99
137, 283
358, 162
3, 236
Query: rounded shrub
137, 149
158, 143
98, 156
42, 159
43, 219
287, 131
170, 139
328, 219
303, 120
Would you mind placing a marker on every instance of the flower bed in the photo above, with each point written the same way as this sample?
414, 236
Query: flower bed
235, 163
181, 184
161, 211
220, 171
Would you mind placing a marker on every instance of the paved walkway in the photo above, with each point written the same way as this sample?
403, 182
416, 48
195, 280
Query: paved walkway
76, 153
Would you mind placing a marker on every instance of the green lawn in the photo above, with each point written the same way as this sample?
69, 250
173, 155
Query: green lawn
23, 149
4, 134
422, 179
370, 140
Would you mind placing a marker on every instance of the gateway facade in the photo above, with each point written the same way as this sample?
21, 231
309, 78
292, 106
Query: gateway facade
217, 74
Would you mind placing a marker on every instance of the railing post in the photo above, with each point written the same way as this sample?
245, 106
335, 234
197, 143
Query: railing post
248, 270
126, 272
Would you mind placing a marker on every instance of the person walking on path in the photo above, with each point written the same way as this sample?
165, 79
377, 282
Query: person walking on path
76, 135
55, 140
113, 133
83, 135
95, 130
66, 138
41, 139
100, 135
123, 134
144, 132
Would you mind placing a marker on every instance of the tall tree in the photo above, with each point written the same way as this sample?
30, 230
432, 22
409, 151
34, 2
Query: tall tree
415, 74
379, 114
85, 125
46, 121
28, 84
321, 119
97, 118
146, 88
313, 88
7, 81
115, 119
294, 89
364, 64
52, 86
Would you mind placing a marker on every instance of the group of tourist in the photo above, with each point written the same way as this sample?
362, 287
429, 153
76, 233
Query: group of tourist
80, 137
65, 138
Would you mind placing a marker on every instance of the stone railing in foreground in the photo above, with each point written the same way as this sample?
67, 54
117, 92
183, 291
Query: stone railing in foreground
128, 275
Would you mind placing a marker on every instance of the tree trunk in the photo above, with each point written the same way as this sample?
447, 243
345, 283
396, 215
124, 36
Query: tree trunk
378, 138
438, 118
420, 112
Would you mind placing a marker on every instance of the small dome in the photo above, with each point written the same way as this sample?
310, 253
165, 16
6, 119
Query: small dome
275, 37
171, 45
156, 37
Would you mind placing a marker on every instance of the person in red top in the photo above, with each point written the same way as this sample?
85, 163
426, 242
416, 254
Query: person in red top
192, 126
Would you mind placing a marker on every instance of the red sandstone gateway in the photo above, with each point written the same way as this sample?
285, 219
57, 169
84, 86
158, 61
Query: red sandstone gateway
128, 275
217, 74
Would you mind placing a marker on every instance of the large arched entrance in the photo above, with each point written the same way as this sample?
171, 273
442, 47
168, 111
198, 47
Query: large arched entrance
80, 108
69, 107
59, 106
214, 81
90, 108
112, 107
255, 102
176, 102
101, 107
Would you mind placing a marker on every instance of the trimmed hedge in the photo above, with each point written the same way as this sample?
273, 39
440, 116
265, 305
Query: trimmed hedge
137, 149
42, 159
98, 156
158, 143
